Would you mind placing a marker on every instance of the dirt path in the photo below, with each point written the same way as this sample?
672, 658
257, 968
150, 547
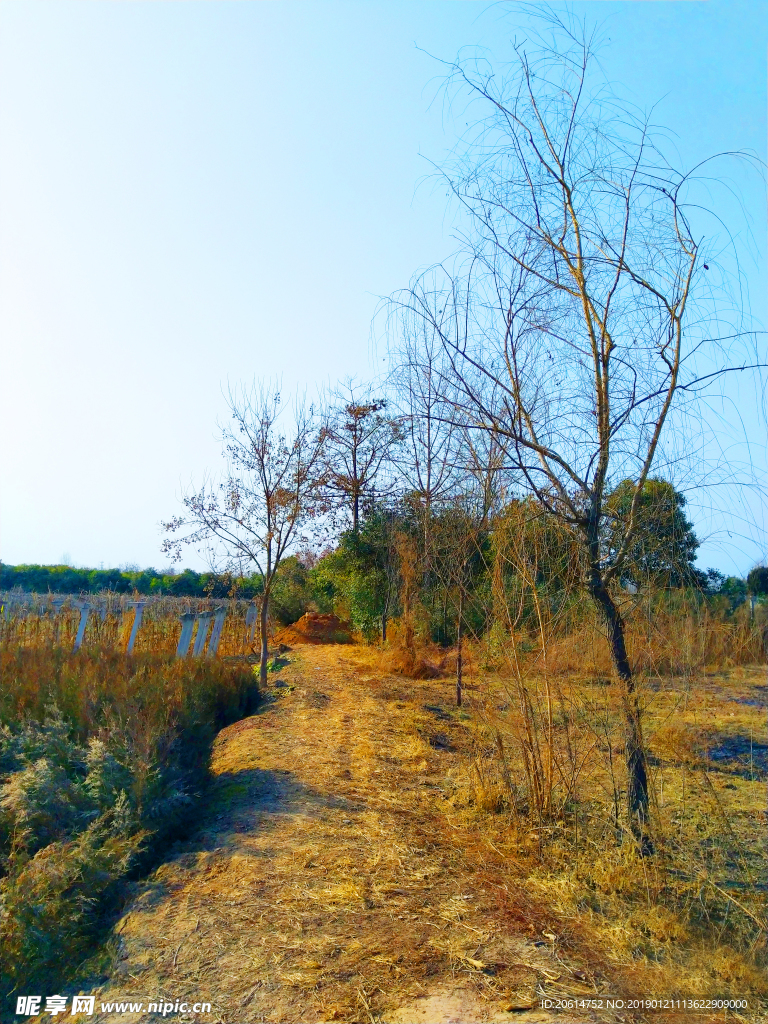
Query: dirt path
330, 879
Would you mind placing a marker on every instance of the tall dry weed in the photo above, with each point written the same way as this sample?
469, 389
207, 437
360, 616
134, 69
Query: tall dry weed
102, 759
549, 755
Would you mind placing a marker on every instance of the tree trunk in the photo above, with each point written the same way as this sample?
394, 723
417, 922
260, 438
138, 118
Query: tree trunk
459, 650
407, 617
637, 764
384, 628
264, 658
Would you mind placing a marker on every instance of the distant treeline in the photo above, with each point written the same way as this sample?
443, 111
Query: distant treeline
64, 579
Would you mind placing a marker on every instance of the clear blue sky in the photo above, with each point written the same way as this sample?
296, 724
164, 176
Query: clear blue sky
192, 193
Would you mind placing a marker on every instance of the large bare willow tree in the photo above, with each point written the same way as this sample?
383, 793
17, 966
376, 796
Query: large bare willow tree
255, 515
579, 316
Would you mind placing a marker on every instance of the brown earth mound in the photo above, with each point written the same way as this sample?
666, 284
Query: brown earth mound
404, 662
314, 628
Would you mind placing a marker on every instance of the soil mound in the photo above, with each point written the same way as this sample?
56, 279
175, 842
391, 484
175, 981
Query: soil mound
314, 628
404, 662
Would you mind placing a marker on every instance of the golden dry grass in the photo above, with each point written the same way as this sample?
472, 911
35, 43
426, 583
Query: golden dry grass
346, 870
691, 920
335, 880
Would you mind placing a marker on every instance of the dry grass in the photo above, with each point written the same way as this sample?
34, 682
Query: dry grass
148, 692
339, 876
667, 641
410, 663
102, 758
690, 920
352, 867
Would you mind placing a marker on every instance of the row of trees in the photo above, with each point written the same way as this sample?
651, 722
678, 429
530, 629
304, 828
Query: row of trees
363, 574
380, 547
360, 575
66, 579
540, 382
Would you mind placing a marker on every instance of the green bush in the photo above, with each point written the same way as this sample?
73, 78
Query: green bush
291, 595
359, 578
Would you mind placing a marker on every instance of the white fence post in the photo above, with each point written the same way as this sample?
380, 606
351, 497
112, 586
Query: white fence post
57, 604
85, 610
218, 623
187, 625
139, 606
251, 618
203, 621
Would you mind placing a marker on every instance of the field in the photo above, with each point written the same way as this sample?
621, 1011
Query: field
32, 620
366, 850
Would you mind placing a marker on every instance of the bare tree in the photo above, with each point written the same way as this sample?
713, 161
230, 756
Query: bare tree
579, 315
269, 493
419, 381
359, 438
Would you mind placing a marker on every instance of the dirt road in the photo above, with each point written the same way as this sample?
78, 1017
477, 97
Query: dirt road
333, 877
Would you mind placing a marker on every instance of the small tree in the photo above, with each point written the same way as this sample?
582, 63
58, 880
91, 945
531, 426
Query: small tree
255, 515
359, 438
459, 534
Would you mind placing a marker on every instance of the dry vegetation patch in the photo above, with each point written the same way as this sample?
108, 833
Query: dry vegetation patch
352, 865
102, 762
339, 874
689, 920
